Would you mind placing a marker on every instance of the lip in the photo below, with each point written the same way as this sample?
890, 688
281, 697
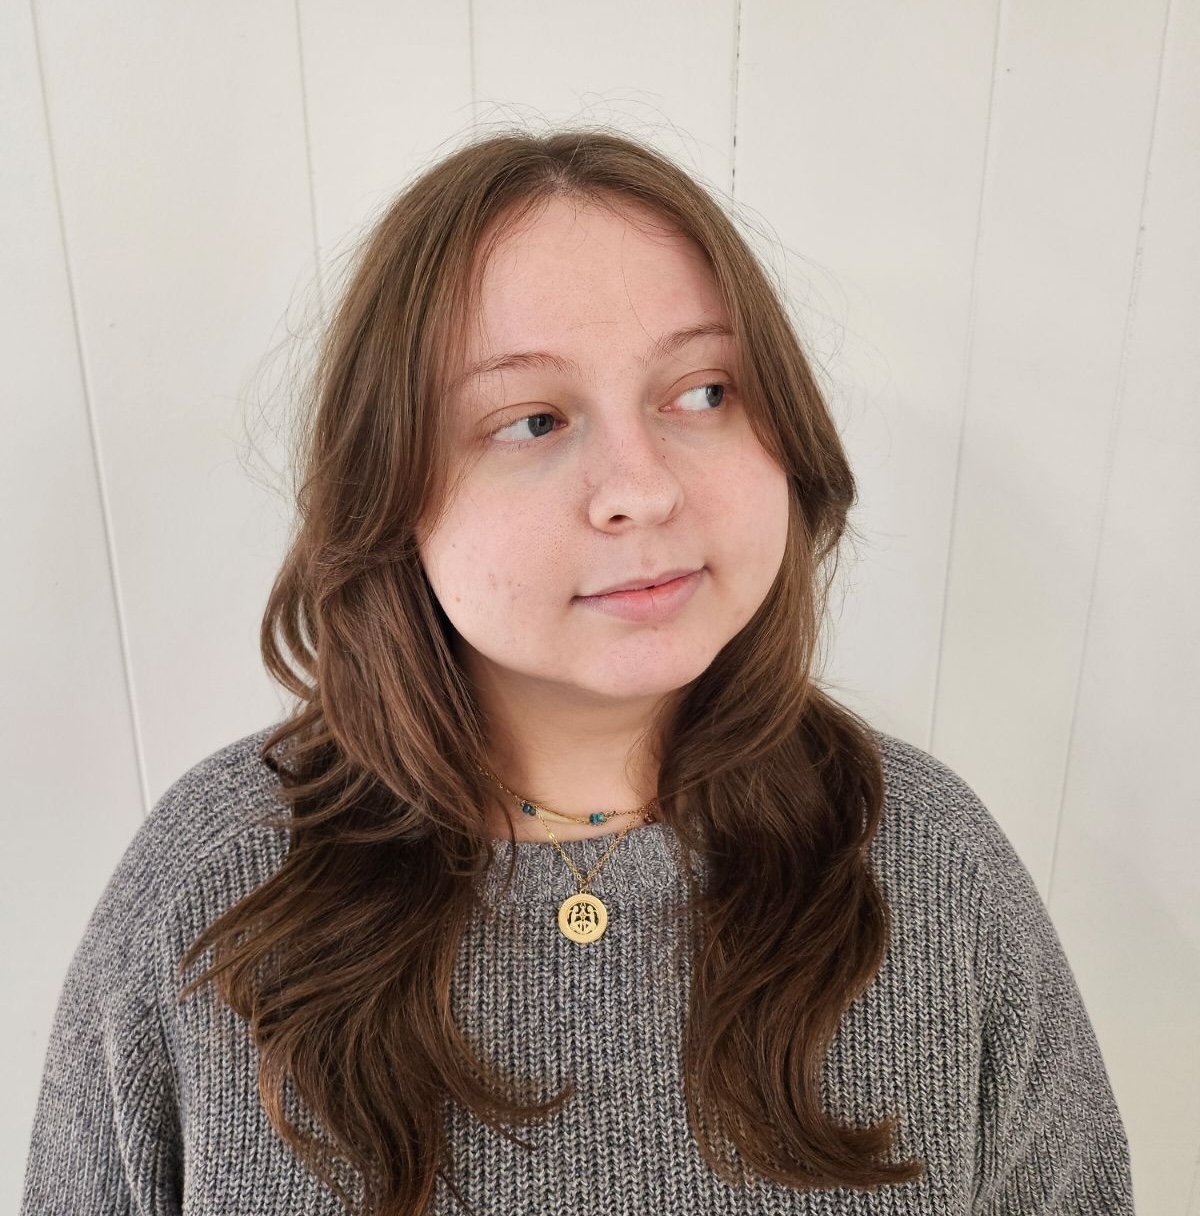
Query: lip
642, 604
639, 584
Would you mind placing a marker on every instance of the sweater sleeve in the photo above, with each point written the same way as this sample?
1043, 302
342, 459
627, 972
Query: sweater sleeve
106, 1137
1051, 1140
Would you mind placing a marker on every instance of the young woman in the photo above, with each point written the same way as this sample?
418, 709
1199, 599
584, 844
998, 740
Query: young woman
566, 887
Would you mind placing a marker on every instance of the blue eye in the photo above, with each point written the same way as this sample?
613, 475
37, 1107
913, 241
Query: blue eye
537, 424
713, 396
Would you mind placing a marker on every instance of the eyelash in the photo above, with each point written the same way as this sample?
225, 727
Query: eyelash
521, 443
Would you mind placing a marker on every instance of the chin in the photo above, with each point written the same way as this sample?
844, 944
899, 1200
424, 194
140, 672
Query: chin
643, 682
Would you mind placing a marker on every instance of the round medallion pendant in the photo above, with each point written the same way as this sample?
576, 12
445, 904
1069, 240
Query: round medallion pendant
582, 918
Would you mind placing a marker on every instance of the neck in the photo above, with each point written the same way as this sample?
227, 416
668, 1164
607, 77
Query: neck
572, 758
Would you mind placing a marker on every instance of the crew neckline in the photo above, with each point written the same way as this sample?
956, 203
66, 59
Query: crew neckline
646, 866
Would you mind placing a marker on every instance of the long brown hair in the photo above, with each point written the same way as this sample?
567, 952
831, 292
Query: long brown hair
340, 962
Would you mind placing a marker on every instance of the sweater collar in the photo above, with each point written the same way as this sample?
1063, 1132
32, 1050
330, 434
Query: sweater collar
645, 866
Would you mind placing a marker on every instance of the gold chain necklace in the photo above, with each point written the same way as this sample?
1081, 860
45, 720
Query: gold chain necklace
642, 812
582, 917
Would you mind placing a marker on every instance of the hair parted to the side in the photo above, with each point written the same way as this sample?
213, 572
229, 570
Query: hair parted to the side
341, 962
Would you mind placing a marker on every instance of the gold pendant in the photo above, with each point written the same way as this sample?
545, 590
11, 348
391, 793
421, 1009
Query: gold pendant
582, 918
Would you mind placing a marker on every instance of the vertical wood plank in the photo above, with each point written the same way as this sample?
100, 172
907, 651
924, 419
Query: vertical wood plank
1070, 135
386, 86
861, 140
72, 791
1124, 893
181, 160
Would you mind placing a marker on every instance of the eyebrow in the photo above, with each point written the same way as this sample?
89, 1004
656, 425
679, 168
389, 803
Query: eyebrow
668, 344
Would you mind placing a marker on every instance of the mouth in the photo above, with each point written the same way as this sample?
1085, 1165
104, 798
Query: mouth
645, 601
643, 584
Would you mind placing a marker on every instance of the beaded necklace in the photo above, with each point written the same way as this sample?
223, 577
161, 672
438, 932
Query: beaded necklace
582, 917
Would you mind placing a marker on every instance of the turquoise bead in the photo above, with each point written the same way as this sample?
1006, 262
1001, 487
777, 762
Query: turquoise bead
598, 817
528, 809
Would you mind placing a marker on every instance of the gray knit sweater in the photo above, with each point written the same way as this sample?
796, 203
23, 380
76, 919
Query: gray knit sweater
972, 1034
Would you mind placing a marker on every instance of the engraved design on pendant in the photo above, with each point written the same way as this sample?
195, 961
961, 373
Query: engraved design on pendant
582, 918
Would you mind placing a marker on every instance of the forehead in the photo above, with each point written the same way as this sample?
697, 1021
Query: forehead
580, 272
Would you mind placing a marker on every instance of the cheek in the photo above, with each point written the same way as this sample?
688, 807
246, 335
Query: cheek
752, 501
751, 519
464, 573
457, 563
488, 558
767, 528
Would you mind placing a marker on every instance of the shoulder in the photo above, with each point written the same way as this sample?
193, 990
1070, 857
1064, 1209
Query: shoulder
925, 798
941, 849
221, 798
203, 844
109, 1081
215, 807
921, 787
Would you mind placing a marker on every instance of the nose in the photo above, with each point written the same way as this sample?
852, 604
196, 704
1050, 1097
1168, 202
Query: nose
630, 481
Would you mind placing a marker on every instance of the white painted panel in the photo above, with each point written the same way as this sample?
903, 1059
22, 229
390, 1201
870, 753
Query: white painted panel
1125, 893
1072, 116
663, 71
181, 157
385, 86
72, 797
870, 172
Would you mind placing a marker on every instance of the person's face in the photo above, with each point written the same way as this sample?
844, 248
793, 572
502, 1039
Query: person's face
599, 461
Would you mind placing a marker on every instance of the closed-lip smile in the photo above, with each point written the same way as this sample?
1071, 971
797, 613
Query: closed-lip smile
641, 584
645, 601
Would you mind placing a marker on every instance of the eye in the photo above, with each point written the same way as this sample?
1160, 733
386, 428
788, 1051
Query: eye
525, 429
705, 396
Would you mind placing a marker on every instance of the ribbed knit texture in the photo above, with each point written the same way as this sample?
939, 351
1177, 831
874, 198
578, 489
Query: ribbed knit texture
972, 1035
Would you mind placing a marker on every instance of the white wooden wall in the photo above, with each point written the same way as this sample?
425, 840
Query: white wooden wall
987, 215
